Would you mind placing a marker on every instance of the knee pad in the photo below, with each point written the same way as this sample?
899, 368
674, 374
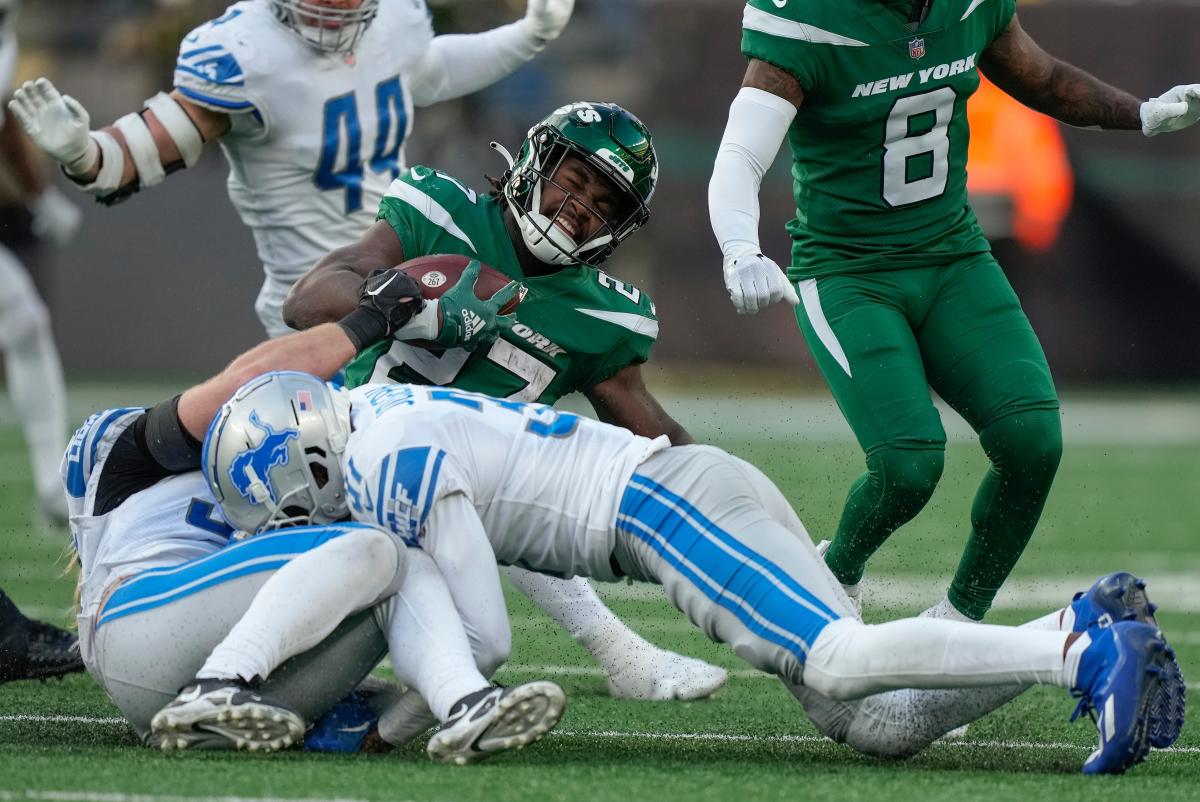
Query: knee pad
907, 476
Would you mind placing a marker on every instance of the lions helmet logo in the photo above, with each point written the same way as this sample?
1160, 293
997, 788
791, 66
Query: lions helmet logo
249, 470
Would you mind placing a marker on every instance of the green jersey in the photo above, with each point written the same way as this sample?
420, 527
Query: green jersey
574, 328
879, 145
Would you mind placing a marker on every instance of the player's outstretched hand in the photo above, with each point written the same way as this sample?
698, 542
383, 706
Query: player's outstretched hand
547, 18
387, 299
56, 123
467, 321
1173, 110
755, 282
55, 218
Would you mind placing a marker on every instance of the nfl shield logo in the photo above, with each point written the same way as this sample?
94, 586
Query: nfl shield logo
916, 48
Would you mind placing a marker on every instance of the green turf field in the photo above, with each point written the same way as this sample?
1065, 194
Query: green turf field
1128, 496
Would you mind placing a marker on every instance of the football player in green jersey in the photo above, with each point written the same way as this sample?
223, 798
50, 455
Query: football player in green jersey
894, 285
579, 186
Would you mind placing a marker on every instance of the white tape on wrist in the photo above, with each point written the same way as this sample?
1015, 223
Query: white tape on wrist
179, 126
423, 326
142, 149
112, 165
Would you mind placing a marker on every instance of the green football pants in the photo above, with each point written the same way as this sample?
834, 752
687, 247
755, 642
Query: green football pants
882, 340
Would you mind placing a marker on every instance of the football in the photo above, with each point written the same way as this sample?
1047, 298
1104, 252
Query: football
440, 272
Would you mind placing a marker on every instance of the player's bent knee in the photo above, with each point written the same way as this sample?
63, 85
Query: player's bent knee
383, 556
908, 475
1030, 441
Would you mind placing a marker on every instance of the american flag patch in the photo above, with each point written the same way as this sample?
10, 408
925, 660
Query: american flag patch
303, 400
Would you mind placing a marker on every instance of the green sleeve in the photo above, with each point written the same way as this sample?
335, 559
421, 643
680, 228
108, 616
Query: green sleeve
768, 35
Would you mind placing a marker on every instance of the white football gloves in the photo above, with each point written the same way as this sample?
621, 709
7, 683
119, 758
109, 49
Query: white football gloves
755, 282
55, 218
56, 123
547, 18
1173, 110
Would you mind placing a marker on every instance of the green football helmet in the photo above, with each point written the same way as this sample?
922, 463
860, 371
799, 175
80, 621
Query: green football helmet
610, 141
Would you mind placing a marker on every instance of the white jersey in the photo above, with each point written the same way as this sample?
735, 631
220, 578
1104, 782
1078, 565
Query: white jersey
167, 523
546, 484
8, 49
316, 137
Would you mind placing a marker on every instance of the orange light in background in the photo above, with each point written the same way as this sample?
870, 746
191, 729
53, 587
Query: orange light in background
1019, 154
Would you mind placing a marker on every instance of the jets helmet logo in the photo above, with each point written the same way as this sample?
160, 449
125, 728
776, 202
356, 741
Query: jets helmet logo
249, 470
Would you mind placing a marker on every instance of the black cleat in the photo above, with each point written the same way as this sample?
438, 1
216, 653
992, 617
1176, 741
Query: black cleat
33, 649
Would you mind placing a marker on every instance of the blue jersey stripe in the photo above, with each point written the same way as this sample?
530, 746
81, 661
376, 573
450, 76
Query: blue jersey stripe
665, 495
431, 487
156, 587
181, 67
214, 101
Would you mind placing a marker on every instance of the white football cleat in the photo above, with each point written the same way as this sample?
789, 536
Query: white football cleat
657, 675
225, 714
496, 719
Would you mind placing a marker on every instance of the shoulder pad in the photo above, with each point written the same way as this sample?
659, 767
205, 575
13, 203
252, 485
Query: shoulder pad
209, 69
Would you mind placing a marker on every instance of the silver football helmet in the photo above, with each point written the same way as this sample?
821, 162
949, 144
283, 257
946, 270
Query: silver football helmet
327, 27
272, 454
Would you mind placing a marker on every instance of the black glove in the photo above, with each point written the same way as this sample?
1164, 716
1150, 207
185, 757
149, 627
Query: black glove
387, 300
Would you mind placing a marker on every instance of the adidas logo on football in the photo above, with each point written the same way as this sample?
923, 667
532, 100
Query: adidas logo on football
472, 323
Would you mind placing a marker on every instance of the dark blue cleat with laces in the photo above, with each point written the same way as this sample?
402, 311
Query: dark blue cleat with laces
1120, 673
1122, 596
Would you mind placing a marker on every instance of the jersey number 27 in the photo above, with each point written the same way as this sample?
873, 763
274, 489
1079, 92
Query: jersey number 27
341, 163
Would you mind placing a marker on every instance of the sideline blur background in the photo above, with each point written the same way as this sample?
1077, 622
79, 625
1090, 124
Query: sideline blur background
162, 286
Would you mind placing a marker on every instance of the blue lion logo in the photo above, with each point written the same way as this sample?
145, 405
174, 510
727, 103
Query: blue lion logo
256, 463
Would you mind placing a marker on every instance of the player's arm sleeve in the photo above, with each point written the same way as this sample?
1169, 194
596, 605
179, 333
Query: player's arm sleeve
152, 448
396, 491
758, 123
208, 72
459, 64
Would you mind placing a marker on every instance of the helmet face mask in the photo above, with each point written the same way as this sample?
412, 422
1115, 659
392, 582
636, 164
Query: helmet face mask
272, 454
330, 29
615, 147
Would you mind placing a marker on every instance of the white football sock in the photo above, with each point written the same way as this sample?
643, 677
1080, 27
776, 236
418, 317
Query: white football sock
850, 659
1057, 621
34, 378
903, 722
428, 646
305, 600
406, 718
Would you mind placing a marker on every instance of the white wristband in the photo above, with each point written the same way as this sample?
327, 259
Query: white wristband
142, 149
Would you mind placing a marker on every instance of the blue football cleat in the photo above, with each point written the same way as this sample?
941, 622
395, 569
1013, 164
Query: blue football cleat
344, 726
1122, 597
1120, 673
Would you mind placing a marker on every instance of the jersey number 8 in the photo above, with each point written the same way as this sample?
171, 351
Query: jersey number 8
926, 153
341, 163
